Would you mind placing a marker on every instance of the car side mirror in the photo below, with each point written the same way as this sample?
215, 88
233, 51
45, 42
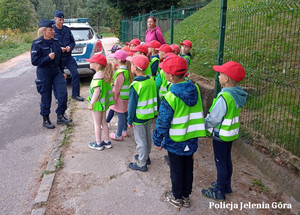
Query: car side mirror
99, 36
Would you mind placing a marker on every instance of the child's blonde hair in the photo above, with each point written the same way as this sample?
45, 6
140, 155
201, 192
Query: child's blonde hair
131, 75
108, 72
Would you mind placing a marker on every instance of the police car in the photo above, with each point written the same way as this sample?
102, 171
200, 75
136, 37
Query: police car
87, 43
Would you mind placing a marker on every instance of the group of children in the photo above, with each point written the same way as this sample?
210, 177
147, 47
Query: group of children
151, 80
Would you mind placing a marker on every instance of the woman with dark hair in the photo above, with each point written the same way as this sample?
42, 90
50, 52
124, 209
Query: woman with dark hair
153, 32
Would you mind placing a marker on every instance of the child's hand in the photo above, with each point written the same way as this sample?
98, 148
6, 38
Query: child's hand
158, 147
90, 107
130, 126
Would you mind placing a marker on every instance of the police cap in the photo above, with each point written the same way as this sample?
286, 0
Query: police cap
46, 23
59, 14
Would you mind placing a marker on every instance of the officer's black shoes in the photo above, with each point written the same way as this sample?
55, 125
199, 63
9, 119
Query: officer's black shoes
47, 123
78, 98
61, 119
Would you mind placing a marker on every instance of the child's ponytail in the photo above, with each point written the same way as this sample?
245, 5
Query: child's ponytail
108, 73
131, 76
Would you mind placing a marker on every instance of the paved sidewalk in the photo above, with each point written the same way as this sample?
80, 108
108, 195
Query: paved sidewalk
100, 182
95, 182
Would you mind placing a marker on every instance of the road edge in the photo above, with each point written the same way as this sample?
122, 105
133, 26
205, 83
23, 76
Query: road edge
40, 201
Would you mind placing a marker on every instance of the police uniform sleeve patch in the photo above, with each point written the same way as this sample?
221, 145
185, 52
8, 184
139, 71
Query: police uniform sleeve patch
33, 51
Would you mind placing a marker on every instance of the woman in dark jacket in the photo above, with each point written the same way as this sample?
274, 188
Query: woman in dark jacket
46, 55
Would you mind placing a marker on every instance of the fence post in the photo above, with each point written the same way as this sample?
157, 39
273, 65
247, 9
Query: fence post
140, 17
222, 28
131, 20
172, 25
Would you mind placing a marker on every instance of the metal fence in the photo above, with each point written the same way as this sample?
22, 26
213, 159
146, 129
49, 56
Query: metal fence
264, 38
136, 27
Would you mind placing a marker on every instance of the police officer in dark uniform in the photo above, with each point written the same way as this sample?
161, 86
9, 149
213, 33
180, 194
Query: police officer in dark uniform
67, 44
46, 55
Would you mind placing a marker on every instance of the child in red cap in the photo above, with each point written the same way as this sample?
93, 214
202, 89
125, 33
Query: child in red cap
133, 43
142, 50
160, 81
100, 98
179, 124
142, 108
154, 57
175, 49
222, 122
186, 47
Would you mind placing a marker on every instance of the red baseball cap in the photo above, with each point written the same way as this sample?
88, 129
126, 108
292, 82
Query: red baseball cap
154, 44
98, 58
165, 48
141, 48
175, 48
120, 54
140, 61
174, 65
134, 41
232, 69
187, 43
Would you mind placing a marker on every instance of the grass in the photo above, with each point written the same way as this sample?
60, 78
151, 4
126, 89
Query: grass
45, 172
14, 43
257, 183
262, 36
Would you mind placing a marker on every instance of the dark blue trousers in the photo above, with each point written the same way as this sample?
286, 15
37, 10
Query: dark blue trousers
44, 85
71, 65
181, 171
222, 152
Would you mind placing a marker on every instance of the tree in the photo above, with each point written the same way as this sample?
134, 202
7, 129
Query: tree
129, 8
17, 14
46, 9
97, 11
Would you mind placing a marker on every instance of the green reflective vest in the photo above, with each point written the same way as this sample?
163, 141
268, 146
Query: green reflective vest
188, 122
188, 59
229, 128
147, 102
164, 84
106, 97
124, 92
158, 69
148, 71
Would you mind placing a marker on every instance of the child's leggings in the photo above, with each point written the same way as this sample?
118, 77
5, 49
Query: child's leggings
100, 119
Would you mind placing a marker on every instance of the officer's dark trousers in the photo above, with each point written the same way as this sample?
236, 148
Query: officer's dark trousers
71, 65
222, 152
44, 83
181, 170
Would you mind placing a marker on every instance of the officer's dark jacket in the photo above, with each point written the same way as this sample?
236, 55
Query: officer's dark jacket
40, 50
65, 38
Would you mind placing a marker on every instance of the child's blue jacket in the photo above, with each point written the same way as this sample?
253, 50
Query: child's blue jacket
189, 94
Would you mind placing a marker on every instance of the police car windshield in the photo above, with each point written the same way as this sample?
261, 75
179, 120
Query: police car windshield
81, 34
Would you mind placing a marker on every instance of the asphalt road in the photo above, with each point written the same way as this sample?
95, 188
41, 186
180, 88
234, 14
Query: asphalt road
24, 144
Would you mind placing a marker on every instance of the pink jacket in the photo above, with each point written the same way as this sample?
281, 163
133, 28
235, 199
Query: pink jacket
155, 34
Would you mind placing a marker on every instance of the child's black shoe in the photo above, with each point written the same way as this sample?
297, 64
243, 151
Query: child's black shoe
213, 194
148, 161
228, 189
135, 166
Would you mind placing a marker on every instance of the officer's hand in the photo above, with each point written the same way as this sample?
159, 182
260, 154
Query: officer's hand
63, 49
130, 126
52, 55
65, 76
68, 49
90, 107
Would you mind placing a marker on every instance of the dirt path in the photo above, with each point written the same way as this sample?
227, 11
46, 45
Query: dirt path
99, 182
